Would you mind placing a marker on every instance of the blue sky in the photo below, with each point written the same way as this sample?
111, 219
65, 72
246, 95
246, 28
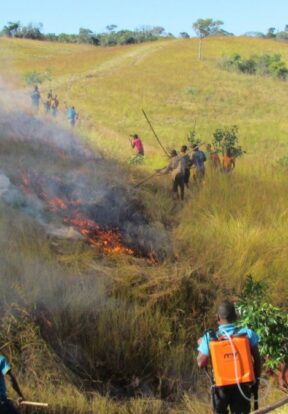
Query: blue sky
239, 16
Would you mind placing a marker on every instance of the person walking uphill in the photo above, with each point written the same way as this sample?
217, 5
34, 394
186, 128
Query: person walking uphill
187, 164
35, 99
72, 116
6, 406
197, 161
228, 161
177, 169
236, 364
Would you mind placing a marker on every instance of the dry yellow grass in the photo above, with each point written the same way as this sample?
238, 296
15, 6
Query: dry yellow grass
236, 224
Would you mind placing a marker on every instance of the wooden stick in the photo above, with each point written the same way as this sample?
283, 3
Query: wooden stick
271, 407
146, 179
34, 404
156, 136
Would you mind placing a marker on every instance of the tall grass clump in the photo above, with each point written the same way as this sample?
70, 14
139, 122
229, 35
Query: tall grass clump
233, 227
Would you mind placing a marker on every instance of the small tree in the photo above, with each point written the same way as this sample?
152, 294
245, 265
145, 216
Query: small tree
192, 137
184, 35
204, 28
36, 78
226, 139
111, 28
11, 29
157, 30
271, 32
85, 35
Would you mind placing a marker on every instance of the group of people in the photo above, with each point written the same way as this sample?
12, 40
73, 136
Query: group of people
182, 164
51, 105
180, 167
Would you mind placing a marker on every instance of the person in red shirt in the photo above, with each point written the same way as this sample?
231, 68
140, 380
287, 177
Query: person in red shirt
137, 144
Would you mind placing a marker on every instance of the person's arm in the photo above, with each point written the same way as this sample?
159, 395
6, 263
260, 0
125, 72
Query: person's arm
15, 384
202, 360
203, 357
165, 170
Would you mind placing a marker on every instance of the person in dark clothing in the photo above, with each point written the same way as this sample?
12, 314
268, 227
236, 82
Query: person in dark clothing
187, 164
6, 406
230, 396
177, 170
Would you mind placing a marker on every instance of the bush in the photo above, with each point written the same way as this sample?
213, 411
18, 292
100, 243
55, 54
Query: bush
283, 162
264, 65
227, 138
270, 322
36, 78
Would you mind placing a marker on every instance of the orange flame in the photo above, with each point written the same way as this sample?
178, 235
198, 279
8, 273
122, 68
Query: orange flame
109, 241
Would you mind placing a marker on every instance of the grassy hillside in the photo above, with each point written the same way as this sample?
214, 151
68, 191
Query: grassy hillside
136, 322
166, 79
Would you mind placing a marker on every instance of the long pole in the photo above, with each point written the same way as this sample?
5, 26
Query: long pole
271, 407
156, 136
146, 179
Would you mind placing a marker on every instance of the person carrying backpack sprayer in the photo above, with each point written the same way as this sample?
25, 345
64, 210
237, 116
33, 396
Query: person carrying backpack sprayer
235, 359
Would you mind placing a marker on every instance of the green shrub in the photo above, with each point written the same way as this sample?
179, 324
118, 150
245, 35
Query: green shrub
36, 78
263, 65
270, 322
227, 138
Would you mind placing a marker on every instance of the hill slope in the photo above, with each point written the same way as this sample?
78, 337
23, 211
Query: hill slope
233, 226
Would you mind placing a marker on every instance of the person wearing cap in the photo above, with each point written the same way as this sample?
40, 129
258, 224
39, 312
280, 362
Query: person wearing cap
176, 168
230, 396
197, 161
6, 406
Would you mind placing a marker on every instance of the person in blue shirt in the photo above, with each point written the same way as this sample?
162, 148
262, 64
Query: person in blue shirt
72, 115
198, 164
230, 396
35, 98
6, 406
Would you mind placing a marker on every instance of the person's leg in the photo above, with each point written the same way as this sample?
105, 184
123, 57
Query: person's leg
239, 404
182, 186
7, 407
175, 194
220, 401
186, 177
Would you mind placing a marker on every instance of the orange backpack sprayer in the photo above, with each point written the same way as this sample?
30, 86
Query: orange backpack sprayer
231, 360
